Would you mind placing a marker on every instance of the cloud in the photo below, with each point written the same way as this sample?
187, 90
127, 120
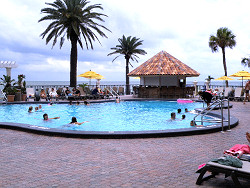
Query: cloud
182, 28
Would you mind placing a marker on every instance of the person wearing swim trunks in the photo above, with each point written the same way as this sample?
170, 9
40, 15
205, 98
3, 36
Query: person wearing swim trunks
247, 88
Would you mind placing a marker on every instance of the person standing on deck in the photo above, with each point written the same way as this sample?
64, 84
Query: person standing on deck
247, 88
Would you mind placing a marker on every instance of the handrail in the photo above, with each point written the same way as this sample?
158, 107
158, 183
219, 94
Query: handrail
205, 111
112, 91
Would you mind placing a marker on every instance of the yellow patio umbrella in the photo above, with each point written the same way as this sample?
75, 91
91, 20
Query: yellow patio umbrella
244, 78
224, 78
90, 75
241, 74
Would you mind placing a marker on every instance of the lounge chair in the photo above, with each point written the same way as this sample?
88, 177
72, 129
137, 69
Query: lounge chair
238, 94
83, 95
216, 168
115, 91
227, 92
2, 96
55, 97
30, 93
88, 93
121, 90
61, 93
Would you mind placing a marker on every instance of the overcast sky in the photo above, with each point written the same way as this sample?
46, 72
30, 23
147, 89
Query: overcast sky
181, 28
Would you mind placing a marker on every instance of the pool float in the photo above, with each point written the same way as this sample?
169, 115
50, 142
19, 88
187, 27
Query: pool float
184, 101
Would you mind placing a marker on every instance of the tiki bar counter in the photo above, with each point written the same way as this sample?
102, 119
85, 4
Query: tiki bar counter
163, 76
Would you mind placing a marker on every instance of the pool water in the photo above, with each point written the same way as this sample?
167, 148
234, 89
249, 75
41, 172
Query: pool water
107, 116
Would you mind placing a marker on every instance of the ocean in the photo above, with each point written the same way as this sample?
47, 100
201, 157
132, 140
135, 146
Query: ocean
132, 82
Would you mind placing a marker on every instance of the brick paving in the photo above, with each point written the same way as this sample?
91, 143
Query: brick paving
30, 160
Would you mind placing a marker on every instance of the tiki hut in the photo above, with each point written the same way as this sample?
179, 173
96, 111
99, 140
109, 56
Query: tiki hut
163, 72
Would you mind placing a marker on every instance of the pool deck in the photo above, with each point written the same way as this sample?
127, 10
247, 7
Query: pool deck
31, 160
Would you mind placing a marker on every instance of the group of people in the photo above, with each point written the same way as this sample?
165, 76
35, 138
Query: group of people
73, 120
173, 114
208, 95
37, 109
54, 94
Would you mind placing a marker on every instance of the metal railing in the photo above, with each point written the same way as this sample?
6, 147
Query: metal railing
217, 103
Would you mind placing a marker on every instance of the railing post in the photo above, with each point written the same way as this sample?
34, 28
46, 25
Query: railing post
228, 111
222, 128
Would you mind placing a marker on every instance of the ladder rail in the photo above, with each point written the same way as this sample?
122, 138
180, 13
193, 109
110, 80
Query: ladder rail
205, 111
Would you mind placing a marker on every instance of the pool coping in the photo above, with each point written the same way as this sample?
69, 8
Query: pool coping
124, 134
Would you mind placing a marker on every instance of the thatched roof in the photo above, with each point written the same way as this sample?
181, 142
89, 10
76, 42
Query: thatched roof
163, 64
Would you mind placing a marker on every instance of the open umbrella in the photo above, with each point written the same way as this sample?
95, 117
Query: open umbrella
241, 74
224, 78
90, 75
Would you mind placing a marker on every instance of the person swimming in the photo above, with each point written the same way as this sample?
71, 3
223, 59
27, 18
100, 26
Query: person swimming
117, 99
86, 103
46, 117
30, 109
179, 111
172, 115
74, 121
183, 116
193, 124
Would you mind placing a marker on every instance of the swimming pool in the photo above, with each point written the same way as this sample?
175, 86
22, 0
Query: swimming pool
107, 116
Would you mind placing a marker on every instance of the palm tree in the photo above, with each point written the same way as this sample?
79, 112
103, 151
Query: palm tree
246, 61
73, 19
224, 38
128, 48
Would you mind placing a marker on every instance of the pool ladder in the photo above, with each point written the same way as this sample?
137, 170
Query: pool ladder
217, 103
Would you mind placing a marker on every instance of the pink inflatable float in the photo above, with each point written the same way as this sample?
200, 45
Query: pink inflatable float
184, 101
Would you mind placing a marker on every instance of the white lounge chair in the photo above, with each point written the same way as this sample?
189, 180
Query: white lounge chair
227, 91
234, 172
2, 96
237, 94
30, 93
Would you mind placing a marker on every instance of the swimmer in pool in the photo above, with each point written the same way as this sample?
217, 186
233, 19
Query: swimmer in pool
74, 121
186, 110
40, 108
179, 111
173, 115
36, 109
117, 99
30, 109
46, 117
86, 103
183, 116
193, 124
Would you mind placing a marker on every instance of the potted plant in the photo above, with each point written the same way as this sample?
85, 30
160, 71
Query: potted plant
23, 91
10, 92
8, 88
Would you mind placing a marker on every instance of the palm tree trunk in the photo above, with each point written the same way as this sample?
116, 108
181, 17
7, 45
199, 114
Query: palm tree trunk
127, 78
73, 60
224, 64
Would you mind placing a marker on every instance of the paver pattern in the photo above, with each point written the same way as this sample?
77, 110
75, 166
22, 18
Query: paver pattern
31, 160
